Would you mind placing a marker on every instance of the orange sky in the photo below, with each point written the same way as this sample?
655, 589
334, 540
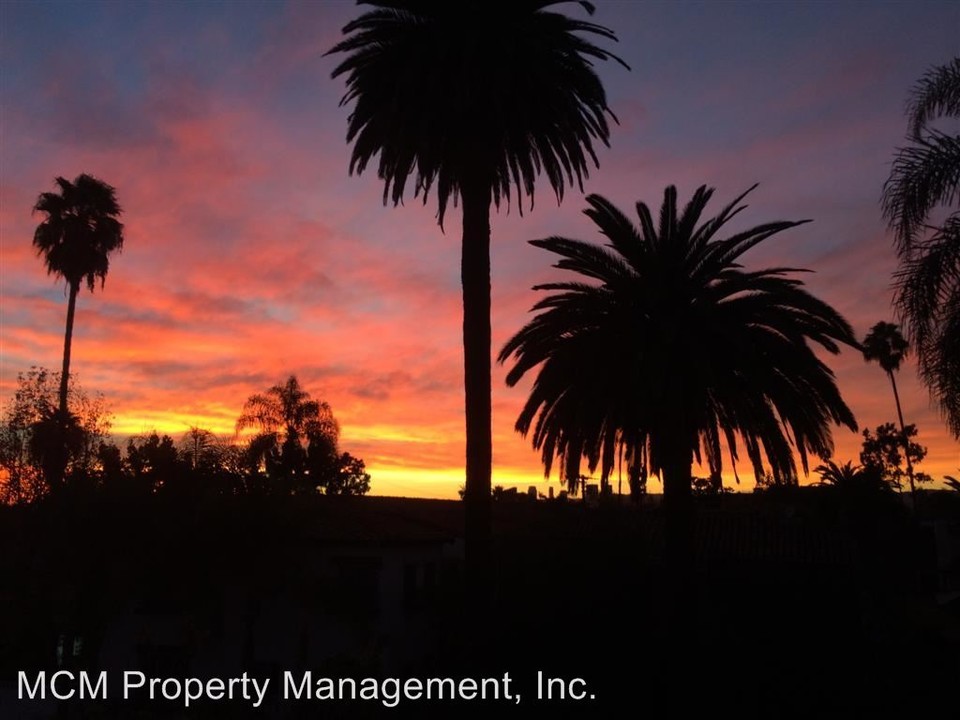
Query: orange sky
250, 254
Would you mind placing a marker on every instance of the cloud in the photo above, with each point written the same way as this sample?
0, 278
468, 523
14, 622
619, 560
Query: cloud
251, 253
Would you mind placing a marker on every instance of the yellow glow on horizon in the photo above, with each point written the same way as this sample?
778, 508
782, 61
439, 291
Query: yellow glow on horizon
442, 482
170, 423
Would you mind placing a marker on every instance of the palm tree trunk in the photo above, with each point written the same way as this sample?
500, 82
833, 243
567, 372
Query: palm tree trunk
67, 340
58, 452
906, 442
475, 276
678, 517
678, 552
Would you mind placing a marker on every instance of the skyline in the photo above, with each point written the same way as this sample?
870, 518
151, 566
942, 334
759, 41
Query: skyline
250, 253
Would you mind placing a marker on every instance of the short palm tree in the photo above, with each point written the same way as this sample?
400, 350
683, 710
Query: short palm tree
76, 238
852, 478
668, 348
885, 344
475, 99
832, 474
926, 175
293, 429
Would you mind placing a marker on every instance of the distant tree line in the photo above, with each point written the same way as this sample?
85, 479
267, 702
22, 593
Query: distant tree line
296, 450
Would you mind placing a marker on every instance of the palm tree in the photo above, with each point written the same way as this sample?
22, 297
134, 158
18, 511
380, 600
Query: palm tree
75, 239
885, 344
924, 176
295, 432
837, 475
199, 445
852, 478
668, 348
476, 99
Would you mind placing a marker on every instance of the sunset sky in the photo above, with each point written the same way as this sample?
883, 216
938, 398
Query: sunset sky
250, 254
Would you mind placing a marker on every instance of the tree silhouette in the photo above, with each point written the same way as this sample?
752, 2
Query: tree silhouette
295, 434
200, 447
885, 344
925, 175
476, 99
833, 474
111, 470
885, 452
349, 477
853, 479
154, 462
36, 448
667, 348
75, 239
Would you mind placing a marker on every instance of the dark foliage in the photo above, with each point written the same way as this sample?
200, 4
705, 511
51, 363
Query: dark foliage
38, 442
887, 449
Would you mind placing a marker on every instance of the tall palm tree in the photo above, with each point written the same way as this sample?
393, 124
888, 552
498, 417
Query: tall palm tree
293, 428
76, 238
926, 175
475, 99
79, 232
668, 348
885, 344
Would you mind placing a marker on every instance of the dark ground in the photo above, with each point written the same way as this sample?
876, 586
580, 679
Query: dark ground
800, 602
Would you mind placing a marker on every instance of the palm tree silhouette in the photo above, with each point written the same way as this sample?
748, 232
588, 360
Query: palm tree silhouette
885, 344
293, 429
198, 445
925, 175
837, 475
476, 99
75, 239
852, 478
668, 348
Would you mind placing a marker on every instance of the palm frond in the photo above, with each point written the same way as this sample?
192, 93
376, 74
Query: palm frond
924, 175
937, 94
